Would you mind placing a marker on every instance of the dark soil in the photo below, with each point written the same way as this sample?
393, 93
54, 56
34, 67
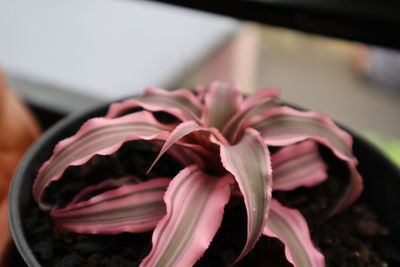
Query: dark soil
354, 237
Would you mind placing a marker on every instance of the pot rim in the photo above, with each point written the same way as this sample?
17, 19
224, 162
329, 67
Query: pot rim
14, 216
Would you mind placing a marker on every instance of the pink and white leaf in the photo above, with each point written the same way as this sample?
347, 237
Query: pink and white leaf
118, 108
298, 165
195, 205
222, 102
130, 208
284, 126
182, 103
106, 184
201, 92
189, 154
290, 227
236, 126
185, 129
249, 162
179, 132
99, 136
259, 97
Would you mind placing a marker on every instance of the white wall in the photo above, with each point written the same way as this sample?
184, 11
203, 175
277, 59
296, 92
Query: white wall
84, 50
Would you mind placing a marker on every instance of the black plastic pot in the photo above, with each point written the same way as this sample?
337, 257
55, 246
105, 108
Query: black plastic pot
381, 178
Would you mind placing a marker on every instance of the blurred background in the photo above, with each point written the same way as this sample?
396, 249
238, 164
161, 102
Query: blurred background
61, 57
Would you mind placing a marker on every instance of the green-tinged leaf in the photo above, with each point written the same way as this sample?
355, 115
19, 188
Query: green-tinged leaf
222, 102
249, 162
289, 226
130, 208
283, 126
99, 136
195, 205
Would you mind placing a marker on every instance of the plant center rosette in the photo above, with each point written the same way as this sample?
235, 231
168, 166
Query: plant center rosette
223, 142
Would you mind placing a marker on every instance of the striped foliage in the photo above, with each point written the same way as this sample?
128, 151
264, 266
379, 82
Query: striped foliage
223, 141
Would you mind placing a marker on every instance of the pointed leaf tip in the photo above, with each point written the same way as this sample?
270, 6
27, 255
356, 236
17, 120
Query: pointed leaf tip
179, 132
222, 102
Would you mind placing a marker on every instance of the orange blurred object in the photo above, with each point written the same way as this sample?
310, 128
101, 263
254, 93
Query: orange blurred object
18, 130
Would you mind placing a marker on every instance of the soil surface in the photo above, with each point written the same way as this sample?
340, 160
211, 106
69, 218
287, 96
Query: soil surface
354, 237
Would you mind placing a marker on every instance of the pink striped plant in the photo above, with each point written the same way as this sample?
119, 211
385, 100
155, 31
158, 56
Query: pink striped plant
223, 141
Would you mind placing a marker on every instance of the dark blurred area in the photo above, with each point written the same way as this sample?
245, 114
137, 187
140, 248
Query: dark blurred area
369, 21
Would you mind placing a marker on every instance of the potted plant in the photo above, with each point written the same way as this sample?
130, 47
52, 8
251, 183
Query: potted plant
171, 168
